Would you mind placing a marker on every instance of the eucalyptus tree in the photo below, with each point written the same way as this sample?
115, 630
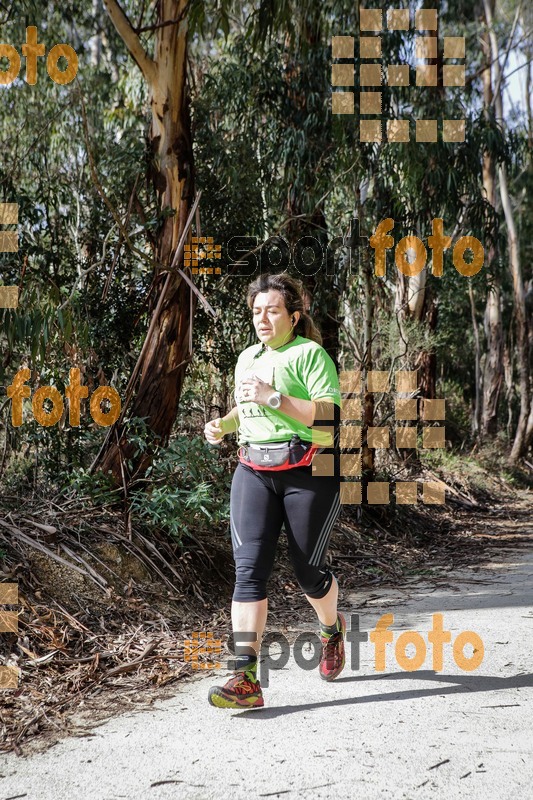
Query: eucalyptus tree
522, 343
164, 357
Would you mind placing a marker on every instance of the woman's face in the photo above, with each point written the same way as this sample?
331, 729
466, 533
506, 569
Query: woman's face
272, 321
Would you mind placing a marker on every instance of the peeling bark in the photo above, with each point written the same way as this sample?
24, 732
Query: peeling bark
493, 370
172, 173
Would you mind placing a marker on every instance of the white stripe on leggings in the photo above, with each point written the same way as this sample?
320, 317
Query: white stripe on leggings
234, 533
325, 536
326, 528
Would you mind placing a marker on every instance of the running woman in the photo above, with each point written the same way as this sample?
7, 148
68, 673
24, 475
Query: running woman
280, 386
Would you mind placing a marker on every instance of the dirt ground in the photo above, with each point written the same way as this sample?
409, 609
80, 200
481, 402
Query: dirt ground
392, 733
91, 655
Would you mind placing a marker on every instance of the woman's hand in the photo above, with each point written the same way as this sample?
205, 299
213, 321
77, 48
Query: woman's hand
213, 431
254, 390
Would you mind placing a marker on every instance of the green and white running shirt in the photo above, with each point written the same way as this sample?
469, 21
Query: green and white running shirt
302, 369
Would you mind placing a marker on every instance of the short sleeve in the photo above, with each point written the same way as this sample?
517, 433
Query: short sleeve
320, 376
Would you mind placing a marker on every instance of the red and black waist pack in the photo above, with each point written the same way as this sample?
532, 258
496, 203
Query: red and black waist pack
279, 455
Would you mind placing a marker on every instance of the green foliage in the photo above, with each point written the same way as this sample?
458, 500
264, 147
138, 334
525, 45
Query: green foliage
269, 157
96, 487
18, 476
187, 490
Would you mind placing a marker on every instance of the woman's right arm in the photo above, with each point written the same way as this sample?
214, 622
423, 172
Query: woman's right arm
216, 429
230, 422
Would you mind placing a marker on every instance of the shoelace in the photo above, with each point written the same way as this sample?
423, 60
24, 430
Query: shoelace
329, 649
241, 684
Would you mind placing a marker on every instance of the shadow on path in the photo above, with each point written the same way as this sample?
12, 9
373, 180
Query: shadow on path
464, 683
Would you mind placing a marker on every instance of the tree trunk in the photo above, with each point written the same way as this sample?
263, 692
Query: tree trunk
164, 360
493, 370
368, 465
325, 289
426, 363
527, 23
413, 300
315, 225
95, 44
493, 373
514, 259
476, 416
421, 304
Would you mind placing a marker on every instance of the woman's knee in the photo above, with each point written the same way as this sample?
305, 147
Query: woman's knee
247, 591
251, 581
316, 585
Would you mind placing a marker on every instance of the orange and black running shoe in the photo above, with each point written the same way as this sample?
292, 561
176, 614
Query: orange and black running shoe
238, 692
333, 657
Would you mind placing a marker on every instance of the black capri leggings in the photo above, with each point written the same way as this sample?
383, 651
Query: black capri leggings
260, 503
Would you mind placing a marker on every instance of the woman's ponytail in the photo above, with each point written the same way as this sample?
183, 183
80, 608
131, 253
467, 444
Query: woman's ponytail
307, 328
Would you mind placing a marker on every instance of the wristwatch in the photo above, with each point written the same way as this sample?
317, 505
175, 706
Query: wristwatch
274, 401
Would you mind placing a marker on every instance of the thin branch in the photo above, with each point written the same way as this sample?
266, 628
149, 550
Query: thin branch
165, 24
518, 68
84, 272
525, 37
119, 246
511, 37
141, 16
99, 187
126, 30
8, 13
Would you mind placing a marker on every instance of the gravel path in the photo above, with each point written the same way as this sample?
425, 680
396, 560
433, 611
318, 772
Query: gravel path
369, 734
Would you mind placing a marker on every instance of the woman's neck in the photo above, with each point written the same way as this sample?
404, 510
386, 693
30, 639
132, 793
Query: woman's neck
267, 347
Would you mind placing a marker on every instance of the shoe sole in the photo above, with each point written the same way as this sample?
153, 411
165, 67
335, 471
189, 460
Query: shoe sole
333, 675
217, 697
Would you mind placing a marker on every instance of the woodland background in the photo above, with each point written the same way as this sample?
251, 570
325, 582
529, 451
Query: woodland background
236, 103
233, 100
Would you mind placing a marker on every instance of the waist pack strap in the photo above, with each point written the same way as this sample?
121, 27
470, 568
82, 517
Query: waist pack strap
303, 460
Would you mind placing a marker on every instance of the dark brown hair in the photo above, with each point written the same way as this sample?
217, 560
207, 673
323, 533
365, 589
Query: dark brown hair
292, 290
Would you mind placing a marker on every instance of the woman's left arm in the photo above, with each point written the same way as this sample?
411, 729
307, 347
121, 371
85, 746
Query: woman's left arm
304, 411
301, 410
257, 391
